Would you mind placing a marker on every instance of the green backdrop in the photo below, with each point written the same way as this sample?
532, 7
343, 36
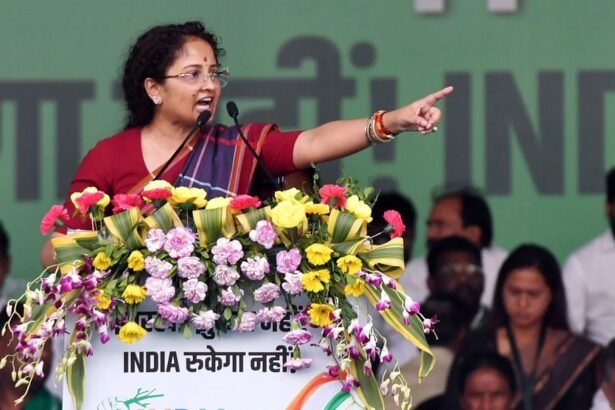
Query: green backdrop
528, 122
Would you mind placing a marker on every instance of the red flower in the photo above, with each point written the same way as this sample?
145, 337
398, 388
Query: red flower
157, 193
333, 195
393, 218
123, 202
56, 216
241, 202
87, 199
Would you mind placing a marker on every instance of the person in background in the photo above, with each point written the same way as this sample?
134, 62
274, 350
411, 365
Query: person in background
172, 76
590, 280
605, 397
555, 369
463, 213
455, 268
398, 202
454, 265
454, 322
5, 261
487, 382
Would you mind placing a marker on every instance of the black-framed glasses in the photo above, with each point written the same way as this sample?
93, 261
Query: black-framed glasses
193, 77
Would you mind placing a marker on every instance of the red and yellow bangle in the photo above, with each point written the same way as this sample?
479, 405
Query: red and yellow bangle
380, 127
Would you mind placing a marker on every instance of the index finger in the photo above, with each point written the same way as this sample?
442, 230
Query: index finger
432, 99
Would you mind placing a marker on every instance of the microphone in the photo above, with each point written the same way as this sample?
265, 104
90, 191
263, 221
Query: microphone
233, 112
201, 120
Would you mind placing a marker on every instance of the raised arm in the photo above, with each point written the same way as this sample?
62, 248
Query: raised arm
337, 139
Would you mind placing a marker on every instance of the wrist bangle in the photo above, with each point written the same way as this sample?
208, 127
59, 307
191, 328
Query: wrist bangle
379, 117
373, 133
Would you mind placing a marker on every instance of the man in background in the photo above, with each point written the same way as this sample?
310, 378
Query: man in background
455, 269
462, 213
589, 278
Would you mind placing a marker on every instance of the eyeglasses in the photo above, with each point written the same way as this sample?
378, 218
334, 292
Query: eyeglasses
219, 77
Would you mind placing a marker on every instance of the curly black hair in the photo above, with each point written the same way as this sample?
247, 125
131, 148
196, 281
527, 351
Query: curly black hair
150, 57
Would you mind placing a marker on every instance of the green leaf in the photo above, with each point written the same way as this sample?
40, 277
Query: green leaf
369, 390
186, 331
75, 376
228, 313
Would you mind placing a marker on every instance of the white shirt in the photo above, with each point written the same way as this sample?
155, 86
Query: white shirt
414, 279
600, 401
589, 279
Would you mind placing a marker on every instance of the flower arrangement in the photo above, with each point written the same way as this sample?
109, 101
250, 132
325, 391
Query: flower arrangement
226, 264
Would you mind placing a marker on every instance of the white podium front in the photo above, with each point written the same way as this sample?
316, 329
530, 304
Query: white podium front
231, 372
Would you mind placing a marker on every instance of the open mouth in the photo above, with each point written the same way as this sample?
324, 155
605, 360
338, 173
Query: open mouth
204, 104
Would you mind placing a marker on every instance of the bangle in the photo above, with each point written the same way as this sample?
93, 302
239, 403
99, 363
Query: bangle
378, 116
373, 134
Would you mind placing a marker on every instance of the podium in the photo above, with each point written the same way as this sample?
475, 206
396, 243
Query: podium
233, 371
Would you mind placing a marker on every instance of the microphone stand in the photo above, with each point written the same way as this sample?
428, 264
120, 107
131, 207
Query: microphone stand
233, 112
199, 124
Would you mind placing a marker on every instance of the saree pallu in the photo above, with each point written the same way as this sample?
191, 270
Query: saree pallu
568, 379
218, 161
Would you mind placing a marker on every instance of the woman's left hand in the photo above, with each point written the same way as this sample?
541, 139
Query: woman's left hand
422, 115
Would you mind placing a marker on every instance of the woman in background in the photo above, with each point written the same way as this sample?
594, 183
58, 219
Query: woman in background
554, 368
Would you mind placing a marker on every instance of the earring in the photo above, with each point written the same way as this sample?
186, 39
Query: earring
157, 100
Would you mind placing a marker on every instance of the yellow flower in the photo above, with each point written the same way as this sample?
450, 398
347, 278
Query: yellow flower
318, 254
320, 314
349, 264
316, 209
186, 195
134, 294
102, 261
324, 275
131, 333
359, 208
158, 184
218, 202
355, 289
292, 195
102, 301
136, 261
311, 283
288, 215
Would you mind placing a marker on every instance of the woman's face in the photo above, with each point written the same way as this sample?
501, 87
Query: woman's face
486, 389
526, 297
183, 98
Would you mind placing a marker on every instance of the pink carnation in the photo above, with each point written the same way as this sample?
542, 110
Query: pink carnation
123, 202
87, 199
264, 234
247, 324
157, 193
267, 293
173, 314
297, 337
288, 261
333, 195
180, 242
241, 202
393, 218
56, 216
298, 363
